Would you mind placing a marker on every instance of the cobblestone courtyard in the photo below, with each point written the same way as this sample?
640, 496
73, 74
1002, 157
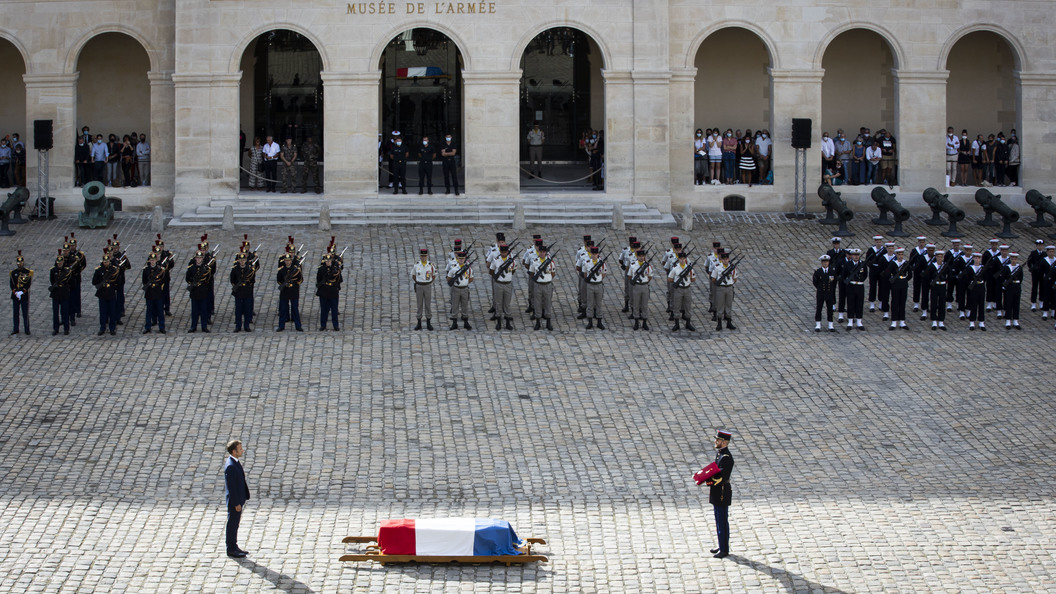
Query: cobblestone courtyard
865, 462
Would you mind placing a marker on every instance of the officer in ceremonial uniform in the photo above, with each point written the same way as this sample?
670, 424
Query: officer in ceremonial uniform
724, 277
243, 280
153, 279
289, 279
1037, 254
118, 258
721, 494
166, 260
593, 273
975, 277
1010, 278
935, 276
199, 280
398, 159
501, 270
873, 261
854, 276
640, 272
423, 275
681, 278
328, 281
21, 280
459, 276
543, 270
918, 258
899, 272
825, 292
78, 262
837, 257
60, 294
105, 281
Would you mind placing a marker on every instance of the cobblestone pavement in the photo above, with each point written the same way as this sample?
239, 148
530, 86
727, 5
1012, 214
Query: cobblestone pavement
866, 462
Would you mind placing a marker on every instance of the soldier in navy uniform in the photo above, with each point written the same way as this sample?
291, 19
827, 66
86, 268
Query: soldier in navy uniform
328, 281
899, 273
243, 279
837, 256
917, 259
935, 277
872, 260
1044, 268
991, 288
962, 281
883, 285
289, 279
105, 281
974, 278
922, 294
825, 292
199, 280
955, 262
60, 294
854, 275
722, 493
1010, 279
153, 278
1035, 280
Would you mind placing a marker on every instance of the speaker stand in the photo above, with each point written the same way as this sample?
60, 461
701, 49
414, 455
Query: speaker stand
43, 200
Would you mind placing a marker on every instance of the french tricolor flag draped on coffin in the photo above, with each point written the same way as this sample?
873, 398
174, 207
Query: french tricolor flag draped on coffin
419, 71
461, 537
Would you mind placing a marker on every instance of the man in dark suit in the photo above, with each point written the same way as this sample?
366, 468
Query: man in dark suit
236, 493
722, 493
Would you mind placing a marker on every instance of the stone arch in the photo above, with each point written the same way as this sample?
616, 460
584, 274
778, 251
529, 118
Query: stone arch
13, 40
892, 44
387, 37
768, 42
595, 36
153, 54
1019, 55
235, 61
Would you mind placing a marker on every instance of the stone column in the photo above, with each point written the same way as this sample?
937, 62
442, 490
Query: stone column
652, 144
682, 127
350, 154
162, 137
795, 94
491, 147
206, 131
1035, 130
920, 124
619, 134
53, 97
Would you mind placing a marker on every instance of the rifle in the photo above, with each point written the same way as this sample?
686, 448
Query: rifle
682, 275
157, 277
1008, 278
726, 273
461, 271
510, 260
542, 267
641, 271
596, 269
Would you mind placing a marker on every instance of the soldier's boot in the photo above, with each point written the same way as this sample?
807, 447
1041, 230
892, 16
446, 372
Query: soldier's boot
626, 306
671, 316
419, 325
498, 324
831, 329
601, 325
492, 309
549, 326
465, 324
714, 316
530, 309
718, 326
538, 322
429, 323
454, 323
645, 324
590, 324
676, 327
582, 315
636, 323
729, 324
689, 325
509, 323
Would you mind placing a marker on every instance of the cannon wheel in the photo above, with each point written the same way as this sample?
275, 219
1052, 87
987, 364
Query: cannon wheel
4, 231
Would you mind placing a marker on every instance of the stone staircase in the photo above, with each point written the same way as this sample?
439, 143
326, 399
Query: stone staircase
556, 209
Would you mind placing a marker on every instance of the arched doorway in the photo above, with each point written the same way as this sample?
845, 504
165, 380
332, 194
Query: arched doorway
281, 96
733, 93
858, 96
113, 99
13, 115
562, 89
981, 98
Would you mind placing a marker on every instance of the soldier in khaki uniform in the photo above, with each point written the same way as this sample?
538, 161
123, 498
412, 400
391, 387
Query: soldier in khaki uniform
288, 155
310, 154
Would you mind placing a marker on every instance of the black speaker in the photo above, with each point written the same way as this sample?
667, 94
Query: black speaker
42, 137
801, 133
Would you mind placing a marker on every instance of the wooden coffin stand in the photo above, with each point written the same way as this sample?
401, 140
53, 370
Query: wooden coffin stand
373, 552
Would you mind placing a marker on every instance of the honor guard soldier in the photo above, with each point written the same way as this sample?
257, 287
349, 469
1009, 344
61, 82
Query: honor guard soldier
1035, 280
825, 292
243, 281
452, 256
118, 258
60, 294
922, 295
210, 260
21, 280
531, 254
640, 272
918, 258
725, 277
710, 264
721, 494
289, 279
884, 283
954, 261
199, 280
668, 260
489, 255
961, 280
459, 276
837, 257
502, 269
423, 275
999, 291
935, 277
974, 276
593, 277
855, 275
105, 281
78, 263
426, 156
875, 264
166, 260
1046, 269
681, 278
153, 278
448, 155
543, 270
626, 257
398, 160
899, 274
328, 281
1010, 278
991, 286
581, 254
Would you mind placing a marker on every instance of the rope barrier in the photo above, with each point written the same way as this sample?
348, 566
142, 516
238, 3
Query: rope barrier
409, 178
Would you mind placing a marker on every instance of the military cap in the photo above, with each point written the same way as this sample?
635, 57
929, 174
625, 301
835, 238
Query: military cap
976, 255
930, 245
538, 242
995, 240
824, 257
724, 255
889, 244
1003, 246
504, 248
199, 254
724, 435
955, 241
423, 252
900, 250
20, 258
1013, 255
921, 238
462, 254
595, 249
500, 236
835, 240
640, 253
674, 240
1038, 241
715, 244
878, 238
586, 238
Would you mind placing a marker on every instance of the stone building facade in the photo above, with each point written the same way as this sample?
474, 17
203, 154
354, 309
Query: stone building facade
185, 73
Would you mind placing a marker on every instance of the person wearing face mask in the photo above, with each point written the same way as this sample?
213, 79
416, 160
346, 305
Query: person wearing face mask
536, 139
700, 158
828, 152
856, 174
763, 148
843, 154
1012, 171
113, 162
964, 160
18, 162
82, 154
953, 146
448, 154
398, 159
729, 157
426, 155
5, 164
143, 159
1000, 159
99, 155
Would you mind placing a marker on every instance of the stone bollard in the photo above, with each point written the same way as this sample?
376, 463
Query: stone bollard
324, 217
229, 218
617, 217
518, 218
157, 222
687, 218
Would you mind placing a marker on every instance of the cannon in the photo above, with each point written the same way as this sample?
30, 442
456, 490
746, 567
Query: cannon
992, 204
940, 203
1042, 205
11, 208
836, 210
886, 202
97, 209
